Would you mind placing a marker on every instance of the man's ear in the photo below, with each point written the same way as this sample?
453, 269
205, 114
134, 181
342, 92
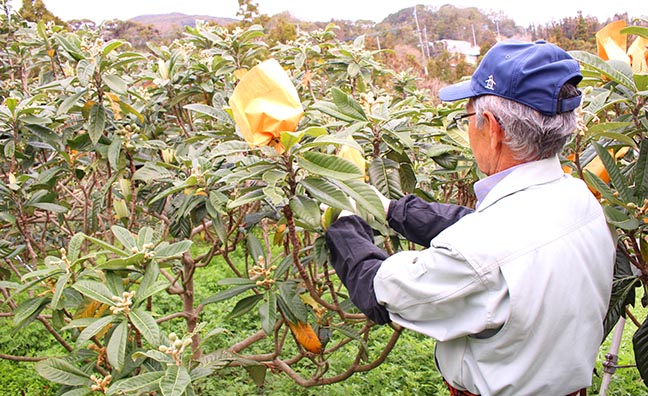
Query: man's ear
495, 131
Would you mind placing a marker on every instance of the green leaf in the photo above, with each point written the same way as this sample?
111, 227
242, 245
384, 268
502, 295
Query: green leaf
143, 383
50, 207
123, 263
257, 373
244, 305
306, 210
332, 110
28, 310
175, 381
85, 70
95, 290
349, 332
146, 325
640, 346
290, 303
268, 312
125, 237
113, 152
347, 105
173, 250
116, 349
97, 123
74, 246
236, 281
255, 249
61, 283
329, 165
61, 372
606, 68
365, 198
326, 192
148, 281
155, 355
115, 83
227, 294
641, 172
94, 328
249, 197
70, 102
618, 180
384, 174
78, 392
620, 219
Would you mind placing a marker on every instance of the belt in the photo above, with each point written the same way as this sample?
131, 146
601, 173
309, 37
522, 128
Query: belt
457, 392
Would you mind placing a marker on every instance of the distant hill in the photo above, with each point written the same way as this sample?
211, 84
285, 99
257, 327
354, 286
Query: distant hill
166, 23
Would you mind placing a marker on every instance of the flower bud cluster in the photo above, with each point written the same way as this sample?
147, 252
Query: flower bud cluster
100, 384
146, 249
123, 303
262, 273
176, 348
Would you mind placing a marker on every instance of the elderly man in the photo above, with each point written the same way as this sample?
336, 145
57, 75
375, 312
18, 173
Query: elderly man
514, 292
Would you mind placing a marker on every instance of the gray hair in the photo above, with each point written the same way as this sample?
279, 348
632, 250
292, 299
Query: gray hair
529, 134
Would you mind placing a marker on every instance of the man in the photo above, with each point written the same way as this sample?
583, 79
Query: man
514, 292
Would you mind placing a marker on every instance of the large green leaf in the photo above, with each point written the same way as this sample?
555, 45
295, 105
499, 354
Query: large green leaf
62, 372
116, 348
95, 290
365, 198
144, 383
307, 211
175, 381
245, 305
616, 177
28, 310
227, 294
623, 292
164, 250
384, 174
61, 284
326, 192
606, 68
268, 312
329, 165
97, 123
115, 83
347, 105
125, 237
144, 322
641, 172
94, 328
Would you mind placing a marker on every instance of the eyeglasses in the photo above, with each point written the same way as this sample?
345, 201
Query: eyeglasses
461, 121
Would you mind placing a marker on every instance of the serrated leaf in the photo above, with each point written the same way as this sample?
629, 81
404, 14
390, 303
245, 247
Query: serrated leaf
70, 102
95, 290
116, 348
347, 105
616, 177
85, 71
245, 305
641, 171
365, 198
62, 372
268, 312
61, 283
620, 219
143, 383
74, 246
605, 68
115, 83
306, 211
326, 192
175, 381
124, 236
144, 322
172, 250
113, 152
97, 123
28, 310
94, 328
227, 294
329, 165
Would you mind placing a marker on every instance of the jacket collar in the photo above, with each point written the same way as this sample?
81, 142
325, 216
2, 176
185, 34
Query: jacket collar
523, 176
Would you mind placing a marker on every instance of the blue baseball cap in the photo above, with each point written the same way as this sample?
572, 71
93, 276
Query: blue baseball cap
528, 73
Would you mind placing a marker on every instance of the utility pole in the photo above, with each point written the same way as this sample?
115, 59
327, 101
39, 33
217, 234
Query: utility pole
418, 31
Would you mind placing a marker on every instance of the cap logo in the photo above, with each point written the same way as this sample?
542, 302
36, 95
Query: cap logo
490, 83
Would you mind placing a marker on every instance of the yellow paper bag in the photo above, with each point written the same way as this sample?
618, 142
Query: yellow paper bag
612, 44
265, 104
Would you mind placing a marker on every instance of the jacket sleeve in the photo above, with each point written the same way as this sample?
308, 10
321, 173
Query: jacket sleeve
420, 221
356, 260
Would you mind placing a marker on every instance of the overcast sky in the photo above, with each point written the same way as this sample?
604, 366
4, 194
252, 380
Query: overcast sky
523, 12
